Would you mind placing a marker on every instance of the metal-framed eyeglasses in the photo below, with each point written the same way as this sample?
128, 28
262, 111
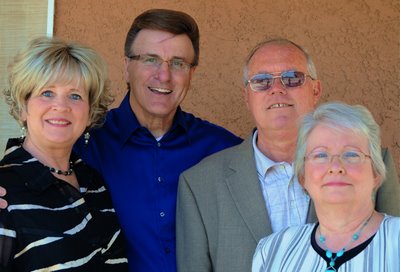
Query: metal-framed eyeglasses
350, 157
289, 79
154, 61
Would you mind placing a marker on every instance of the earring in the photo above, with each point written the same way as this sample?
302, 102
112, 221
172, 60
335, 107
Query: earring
23, 132
87, 137
373, 195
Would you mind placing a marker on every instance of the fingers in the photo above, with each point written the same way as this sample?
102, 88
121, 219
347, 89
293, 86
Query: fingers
3, 203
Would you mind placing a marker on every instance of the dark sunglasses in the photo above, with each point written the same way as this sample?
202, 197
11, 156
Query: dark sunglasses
289, 79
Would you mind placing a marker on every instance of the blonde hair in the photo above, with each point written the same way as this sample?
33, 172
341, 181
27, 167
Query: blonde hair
45, 61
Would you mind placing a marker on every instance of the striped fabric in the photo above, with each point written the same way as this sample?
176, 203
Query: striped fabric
291, 250
51, 226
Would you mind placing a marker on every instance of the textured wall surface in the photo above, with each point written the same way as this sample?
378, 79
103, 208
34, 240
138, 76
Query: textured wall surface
355, 45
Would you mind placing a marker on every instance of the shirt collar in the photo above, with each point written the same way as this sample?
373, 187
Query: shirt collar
263, 163
127, 123
37, 176
123, 119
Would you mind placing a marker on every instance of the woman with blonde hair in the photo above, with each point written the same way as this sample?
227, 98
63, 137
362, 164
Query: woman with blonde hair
59, 214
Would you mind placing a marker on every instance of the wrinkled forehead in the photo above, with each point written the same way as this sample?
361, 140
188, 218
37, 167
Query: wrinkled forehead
277, 58
163, 44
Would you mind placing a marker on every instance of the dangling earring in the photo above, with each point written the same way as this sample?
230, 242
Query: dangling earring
373, 195
87, 137
23, 132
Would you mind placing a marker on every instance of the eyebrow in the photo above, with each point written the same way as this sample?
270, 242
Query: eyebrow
158, 56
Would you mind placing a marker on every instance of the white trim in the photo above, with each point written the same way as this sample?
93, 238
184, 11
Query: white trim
50, 18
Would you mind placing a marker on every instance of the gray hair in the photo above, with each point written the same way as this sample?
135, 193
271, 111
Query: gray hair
341, 116
279, 41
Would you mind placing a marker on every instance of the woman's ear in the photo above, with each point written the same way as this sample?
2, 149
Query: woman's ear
300, 178
377, 181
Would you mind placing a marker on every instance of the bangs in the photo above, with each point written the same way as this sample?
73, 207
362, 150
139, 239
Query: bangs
62, 70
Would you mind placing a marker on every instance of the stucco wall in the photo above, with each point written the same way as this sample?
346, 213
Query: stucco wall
355, 45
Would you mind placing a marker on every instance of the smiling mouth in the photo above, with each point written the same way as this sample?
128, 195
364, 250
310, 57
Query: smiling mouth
160, 90
279, 105
336, 184
58, 122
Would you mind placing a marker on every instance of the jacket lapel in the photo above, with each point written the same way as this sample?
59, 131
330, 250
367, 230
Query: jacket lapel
244, 187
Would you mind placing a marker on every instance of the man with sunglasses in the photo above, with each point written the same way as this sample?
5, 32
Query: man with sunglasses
233, 198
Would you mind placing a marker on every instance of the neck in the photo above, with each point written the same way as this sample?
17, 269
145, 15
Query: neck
158, 125
55, 157
363, 232
277, 145
338, 228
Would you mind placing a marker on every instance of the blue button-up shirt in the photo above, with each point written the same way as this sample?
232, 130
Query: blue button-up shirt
142, 175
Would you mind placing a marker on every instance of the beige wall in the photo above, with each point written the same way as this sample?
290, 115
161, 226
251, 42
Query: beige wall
355, 44
20, 21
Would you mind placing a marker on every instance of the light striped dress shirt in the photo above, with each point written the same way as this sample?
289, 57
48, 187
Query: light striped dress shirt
286, 202
291, 250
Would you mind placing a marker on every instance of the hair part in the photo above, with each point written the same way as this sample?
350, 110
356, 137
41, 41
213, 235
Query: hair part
172, 21
341, 116
47, 61
278, 41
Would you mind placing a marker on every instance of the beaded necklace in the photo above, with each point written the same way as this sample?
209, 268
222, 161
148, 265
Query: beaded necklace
329, 253
61, 172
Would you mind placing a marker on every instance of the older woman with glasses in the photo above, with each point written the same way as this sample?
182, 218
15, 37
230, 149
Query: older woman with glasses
338, 162
60, 215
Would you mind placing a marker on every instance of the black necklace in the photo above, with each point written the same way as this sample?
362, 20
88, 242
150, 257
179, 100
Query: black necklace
60, 172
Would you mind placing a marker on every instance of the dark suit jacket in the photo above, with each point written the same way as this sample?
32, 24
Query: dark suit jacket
221, 213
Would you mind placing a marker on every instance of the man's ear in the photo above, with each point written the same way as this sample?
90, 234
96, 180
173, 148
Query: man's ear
245, 94
126, 73
317, 90
191, 72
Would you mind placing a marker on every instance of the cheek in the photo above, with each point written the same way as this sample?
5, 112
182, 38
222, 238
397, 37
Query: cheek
312, 174
183, 81
306, 101
362, 175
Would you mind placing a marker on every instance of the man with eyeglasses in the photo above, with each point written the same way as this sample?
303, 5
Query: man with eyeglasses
149, 140
233, 198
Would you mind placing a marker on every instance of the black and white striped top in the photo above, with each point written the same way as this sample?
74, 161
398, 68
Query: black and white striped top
291, 250
49, 225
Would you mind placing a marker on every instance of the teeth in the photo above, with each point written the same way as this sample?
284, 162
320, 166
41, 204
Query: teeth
161, 90
57, 122
279, 105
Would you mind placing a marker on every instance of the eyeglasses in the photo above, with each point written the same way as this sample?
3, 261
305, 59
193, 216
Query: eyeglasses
155, 62
347, 157
289, 79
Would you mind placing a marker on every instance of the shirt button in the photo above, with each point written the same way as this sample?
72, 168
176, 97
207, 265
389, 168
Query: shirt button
159, 179
162, 214
158, 144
